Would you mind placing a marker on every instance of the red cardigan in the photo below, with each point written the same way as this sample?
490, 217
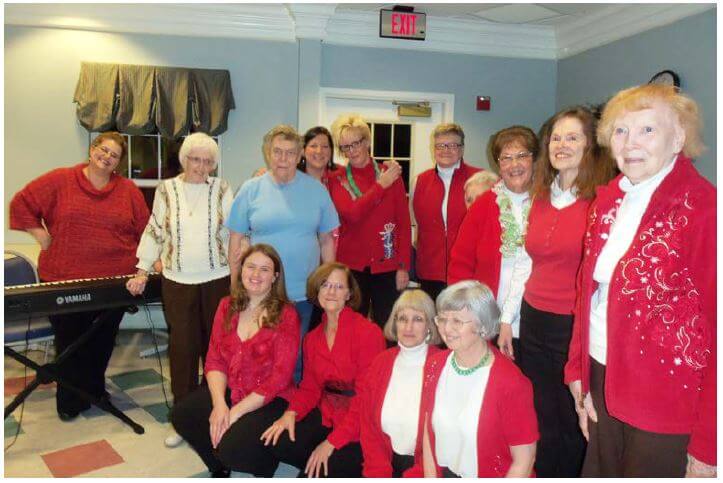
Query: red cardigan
94, 232
365, 220
356, 343
376, 445
263, 364
554, 243
661, 325
507, 416
434, 243
476, 253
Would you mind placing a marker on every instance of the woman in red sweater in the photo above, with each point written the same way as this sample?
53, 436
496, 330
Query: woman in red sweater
642, 361
375, 236
476, 417
319, 432
87, 220
249, 369
570, 166
439, 206
392, 387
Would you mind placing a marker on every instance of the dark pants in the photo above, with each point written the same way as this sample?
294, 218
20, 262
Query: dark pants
240, 448
544, 339
189, 311
378, 290
86, 368
432, 287
344, 462
400, 464
617, 449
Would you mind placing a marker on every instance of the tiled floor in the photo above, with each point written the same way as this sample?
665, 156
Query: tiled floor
96, 443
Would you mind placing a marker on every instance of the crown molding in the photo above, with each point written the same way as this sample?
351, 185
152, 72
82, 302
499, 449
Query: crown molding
310, 20
617, 22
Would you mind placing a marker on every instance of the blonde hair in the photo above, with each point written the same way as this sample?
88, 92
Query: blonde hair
286, 132
418, 300
646, 97
352, 122
482, 177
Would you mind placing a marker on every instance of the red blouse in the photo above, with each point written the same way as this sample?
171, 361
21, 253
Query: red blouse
94, 232
263, 364
356, 343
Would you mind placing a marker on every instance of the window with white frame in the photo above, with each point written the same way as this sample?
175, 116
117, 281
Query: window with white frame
391, 140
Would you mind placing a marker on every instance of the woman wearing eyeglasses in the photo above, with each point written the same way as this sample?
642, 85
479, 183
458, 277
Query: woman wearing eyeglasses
87, 220
476, 417
490, 246
319, 432
439, 206
187, 233
375, 233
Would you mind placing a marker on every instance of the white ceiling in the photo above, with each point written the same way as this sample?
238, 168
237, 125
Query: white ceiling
532, 30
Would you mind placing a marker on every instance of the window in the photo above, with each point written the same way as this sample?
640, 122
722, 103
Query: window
393, 141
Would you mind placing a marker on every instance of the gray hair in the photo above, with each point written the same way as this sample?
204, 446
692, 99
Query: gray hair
414, 299
482, 177
198, 140
478, 299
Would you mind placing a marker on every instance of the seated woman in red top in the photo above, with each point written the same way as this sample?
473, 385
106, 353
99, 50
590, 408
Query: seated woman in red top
392, 387
322, 419
249, 369
375, 236
477, 417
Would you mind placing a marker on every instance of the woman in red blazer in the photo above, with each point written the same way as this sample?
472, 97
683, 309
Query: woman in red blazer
476, 417
392, 387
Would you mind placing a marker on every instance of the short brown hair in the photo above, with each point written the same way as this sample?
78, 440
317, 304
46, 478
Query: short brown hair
321, 275
286, 132
596, 166
448, 128
116, 137
513, 134
645, 97
418, 300
274, 302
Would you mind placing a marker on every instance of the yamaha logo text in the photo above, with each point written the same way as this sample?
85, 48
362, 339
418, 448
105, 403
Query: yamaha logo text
73, 299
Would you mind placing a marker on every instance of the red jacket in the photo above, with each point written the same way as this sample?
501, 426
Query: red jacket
661, 323
376, 445
356, 343
94, 232
366, 222
263, 364
476, 253
507, 416
434, 243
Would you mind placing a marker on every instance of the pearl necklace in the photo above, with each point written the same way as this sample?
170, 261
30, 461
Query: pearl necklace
467, 372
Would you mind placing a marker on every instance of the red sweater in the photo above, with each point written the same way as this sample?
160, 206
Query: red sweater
365, 220
356, 343
507, 416
94, 232
661, 325
476, 253
554, 243
434, 243
263, 364
376, 445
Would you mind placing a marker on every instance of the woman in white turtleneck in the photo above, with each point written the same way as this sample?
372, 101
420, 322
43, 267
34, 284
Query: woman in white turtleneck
392, 386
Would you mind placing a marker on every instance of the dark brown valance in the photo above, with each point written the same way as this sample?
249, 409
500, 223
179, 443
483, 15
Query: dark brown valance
141, 99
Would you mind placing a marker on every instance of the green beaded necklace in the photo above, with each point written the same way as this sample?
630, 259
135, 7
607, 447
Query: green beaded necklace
351, 181
467, 372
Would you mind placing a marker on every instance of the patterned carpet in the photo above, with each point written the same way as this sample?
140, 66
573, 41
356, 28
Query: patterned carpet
97, 444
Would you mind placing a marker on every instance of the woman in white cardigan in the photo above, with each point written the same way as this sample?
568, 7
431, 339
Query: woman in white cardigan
186, 231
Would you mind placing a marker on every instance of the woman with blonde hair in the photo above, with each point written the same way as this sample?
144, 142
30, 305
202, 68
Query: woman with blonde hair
478, 184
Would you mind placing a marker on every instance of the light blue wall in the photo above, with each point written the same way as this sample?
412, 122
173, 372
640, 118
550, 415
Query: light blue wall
687, 47
522, 91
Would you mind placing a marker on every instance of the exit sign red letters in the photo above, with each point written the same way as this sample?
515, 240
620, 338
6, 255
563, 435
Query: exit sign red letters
402, 25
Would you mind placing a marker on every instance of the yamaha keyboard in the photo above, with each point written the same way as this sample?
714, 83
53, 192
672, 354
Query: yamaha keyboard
54, 298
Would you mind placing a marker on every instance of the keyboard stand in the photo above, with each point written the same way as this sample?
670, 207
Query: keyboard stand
47, 373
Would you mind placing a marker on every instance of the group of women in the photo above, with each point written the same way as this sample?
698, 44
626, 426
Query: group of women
577, 307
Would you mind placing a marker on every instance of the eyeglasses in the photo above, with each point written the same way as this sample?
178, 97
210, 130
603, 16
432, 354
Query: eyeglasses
335, 286
448, 146
508, 158
199, 160
454, 322
280, 153
110, 153
345, 148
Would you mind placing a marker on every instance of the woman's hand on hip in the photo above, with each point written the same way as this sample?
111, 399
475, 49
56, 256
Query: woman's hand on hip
584, 407
286, 422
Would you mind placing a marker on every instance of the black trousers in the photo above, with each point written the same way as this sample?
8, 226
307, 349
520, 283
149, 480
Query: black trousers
432, 287
343, 463
86, 368
400, 464
240, 448
378, 290
544, 340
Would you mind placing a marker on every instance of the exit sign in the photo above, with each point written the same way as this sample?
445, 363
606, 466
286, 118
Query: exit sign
398, 24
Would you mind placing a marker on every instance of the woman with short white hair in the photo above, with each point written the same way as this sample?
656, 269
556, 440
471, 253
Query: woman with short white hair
186, 231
